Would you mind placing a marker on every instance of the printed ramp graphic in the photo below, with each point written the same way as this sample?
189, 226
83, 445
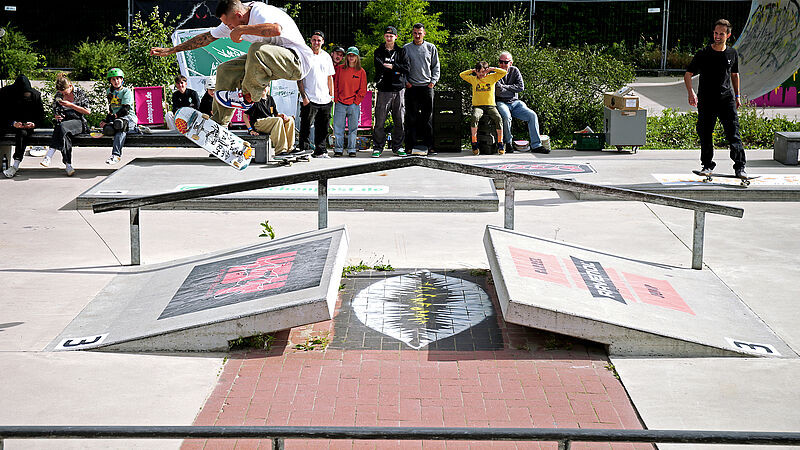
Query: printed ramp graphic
639, 308
768, 47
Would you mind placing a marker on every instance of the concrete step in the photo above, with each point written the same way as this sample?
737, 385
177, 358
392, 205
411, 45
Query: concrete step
640, 308
200, 303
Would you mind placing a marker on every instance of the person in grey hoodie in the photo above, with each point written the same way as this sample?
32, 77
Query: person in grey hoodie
423, 74
509, 105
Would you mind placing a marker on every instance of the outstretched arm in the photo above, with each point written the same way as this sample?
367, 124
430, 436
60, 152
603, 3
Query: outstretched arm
201, 40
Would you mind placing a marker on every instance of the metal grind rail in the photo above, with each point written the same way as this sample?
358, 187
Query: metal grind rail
564, 436
510, 178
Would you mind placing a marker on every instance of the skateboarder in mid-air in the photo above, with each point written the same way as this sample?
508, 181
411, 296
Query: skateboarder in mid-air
717, 97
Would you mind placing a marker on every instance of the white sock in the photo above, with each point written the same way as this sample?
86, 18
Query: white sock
50, 152
16, 164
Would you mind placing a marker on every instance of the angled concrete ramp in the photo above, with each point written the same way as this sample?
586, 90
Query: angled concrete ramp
200, 303
635, 307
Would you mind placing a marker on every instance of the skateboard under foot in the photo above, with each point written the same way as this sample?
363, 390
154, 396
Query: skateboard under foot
289, 159
745, 181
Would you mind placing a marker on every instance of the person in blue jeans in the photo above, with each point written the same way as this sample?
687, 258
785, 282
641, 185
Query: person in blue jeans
350, 87
509, 105
121, 119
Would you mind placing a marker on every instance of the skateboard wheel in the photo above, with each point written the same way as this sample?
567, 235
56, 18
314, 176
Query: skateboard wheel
195, 137
248, 153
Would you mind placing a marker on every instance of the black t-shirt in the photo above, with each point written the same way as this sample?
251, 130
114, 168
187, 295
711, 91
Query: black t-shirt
206, 104
715, 70
261, 109
188, 98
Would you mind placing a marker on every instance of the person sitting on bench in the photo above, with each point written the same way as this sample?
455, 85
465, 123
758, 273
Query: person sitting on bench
263, 117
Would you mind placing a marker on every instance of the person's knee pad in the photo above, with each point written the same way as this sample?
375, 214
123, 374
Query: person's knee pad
108, 129
120, 125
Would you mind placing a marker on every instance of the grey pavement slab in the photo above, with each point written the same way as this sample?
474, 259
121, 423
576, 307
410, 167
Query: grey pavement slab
201, 303
636, 307
408, 189
728, 394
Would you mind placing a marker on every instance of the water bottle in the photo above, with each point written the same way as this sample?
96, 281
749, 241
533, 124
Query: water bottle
5, 162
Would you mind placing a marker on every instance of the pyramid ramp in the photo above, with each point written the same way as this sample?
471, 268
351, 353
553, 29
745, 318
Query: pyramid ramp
635, 307
201, 303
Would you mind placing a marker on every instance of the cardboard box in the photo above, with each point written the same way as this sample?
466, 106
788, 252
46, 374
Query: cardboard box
624, 102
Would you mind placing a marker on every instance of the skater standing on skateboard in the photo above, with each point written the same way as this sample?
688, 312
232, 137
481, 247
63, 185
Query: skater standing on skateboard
278, 51
717, 97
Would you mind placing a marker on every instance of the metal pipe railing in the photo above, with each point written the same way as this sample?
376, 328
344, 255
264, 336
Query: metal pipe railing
278, 434
510, 178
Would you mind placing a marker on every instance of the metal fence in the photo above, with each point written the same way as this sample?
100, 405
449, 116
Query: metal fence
564, 436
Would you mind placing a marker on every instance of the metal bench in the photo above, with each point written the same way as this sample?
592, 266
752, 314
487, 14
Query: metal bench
787, 144
158, 138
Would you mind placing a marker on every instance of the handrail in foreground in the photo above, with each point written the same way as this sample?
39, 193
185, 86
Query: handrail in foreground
322, 176
564, 436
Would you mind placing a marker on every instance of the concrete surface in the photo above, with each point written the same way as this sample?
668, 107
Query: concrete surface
55, 259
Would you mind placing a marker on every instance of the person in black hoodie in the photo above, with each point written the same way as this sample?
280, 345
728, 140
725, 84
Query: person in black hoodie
20, 113
391, 68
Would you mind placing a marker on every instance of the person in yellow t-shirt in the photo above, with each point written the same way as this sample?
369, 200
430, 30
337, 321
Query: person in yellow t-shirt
483, 78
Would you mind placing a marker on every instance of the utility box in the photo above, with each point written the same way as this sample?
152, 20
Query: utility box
625, 128
787, 147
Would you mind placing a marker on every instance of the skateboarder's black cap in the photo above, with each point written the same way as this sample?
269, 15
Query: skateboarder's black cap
318, 33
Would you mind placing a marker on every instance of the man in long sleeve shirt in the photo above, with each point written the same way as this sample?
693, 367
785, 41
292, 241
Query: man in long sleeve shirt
423, 74
391, 68
509, 105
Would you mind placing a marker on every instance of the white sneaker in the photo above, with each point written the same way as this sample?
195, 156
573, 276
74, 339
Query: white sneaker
70, 170
10, 172
113, 159
38, 151
45, 162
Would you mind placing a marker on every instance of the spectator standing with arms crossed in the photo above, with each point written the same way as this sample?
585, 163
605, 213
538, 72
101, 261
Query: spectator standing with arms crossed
483, 78
717, 97
349, 93
390, 70
423, 74
316, 94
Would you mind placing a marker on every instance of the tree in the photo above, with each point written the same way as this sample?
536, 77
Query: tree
155, 31
17, 56
401, 14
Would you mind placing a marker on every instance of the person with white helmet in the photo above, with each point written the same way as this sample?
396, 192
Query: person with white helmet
207, 102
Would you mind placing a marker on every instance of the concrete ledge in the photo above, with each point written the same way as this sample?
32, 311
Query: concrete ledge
786, 148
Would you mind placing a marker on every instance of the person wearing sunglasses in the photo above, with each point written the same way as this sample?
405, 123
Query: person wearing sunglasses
510, 106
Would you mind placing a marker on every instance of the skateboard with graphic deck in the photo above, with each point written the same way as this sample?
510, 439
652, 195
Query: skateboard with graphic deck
289, 159
215, 139
709, 177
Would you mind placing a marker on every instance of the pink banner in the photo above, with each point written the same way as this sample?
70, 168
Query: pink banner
779, 97
149, 105
237, 116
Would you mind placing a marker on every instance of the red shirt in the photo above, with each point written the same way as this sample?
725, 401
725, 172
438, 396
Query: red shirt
350, 86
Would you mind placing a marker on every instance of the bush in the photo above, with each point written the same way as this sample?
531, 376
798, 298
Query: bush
91, 60
17, 56
564, 87
155, 31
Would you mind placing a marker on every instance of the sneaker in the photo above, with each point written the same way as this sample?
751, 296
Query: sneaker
113, 159
232, 99
432, 152
740, 173
376, 153
475, 149
351, 154
501, 150
70, 170
419, 150
321, 156
337, 154
145, 130
38, 151
10, 172
540, 149
45, 162
706, 171
401, 153
298, 152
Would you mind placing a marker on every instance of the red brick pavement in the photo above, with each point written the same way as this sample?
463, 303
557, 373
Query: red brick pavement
523, 385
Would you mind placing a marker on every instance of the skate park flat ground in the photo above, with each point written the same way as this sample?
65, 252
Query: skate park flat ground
55, 259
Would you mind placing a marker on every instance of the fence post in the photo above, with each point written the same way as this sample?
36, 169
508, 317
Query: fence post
508, 206
135, 241
322, 200
697, 239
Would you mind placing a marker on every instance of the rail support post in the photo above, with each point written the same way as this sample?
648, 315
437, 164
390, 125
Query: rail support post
564, 445
697, 239
322, 200
135, 239
277, 444
508, 206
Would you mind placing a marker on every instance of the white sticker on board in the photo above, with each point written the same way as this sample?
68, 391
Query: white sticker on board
752, 347
78, 343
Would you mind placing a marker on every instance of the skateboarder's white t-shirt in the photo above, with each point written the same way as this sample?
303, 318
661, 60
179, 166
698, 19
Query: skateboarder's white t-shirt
316, 83
290, 35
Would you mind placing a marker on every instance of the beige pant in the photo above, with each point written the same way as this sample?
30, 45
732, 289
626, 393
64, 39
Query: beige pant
253, 72
281, 133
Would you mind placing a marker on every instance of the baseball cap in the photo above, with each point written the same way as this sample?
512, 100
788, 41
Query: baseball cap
338, 49
318, 33
353, 50
390, 29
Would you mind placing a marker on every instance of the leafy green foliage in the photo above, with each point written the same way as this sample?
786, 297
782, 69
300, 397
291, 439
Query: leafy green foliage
154, 31
402, 14
314, 343
267, 230
259, 342
91, 60
564, 87
17, 55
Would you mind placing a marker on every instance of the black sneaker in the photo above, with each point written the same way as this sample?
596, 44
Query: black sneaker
540, 149
740, 173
